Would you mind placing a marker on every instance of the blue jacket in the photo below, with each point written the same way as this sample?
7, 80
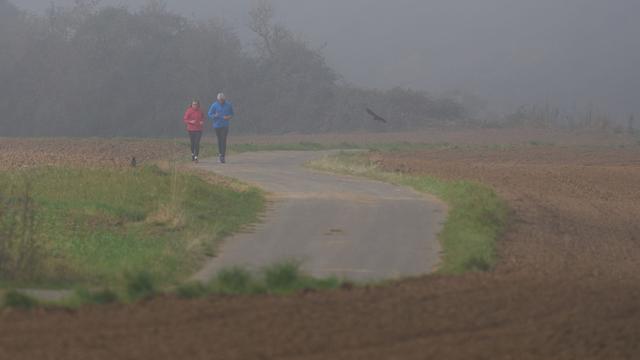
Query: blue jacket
217, 112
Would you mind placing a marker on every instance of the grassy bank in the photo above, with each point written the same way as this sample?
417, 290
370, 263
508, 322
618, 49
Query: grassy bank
476, 214
400, 146
278, 279
62, 226
313, 146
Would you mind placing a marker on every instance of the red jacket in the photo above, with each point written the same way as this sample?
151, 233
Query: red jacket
194, 119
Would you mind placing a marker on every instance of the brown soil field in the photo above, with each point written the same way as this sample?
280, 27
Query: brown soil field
25, 152
567, 285
18, 153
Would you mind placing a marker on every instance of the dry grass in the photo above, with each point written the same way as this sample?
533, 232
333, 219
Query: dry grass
169, 216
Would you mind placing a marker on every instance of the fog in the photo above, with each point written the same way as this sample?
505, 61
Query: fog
567, 53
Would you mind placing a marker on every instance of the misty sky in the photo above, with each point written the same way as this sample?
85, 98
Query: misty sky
512, 52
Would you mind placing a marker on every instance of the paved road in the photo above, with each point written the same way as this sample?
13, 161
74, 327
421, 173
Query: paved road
335, 225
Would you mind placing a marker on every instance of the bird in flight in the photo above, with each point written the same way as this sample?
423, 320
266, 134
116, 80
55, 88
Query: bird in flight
376, 116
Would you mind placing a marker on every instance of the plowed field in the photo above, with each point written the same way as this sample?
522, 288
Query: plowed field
17, 153
567, 285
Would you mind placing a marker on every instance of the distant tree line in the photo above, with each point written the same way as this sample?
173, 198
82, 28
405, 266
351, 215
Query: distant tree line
109, 71
586, 118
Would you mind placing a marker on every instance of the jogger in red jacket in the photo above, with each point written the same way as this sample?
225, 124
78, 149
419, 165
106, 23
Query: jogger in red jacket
194, 119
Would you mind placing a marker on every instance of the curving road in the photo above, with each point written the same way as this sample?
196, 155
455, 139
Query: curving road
349, 227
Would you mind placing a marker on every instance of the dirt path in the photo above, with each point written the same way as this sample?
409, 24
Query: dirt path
334, 225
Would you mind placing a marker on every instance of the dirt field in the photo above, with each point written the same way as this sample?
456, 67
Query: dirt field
24, 152
16, 153
567, 285
575, 209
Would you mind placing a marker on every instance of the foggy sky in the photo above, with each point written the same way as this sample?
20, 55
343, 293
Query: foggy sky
564, 52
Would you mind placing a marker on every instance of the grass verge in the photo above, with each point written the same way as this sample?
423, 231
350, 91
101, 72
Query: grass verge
281, 278
87, 226
313, 146
18, 300
300, 146
476, 216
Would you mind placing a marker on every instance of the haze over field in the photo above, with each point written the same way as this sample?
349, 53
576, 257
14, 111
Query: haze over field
566, 53
403, 179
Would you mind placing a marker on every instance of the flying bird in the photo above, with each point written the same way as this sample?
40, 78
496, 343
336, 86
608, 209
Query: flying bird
376, 116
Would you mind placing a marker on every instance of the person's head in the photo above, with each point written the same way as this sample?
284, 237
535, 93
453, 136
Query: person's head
222, 98
195, 104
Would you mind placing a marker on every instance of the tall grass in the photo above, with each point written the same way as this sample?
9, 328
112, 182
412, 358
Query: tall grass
476, 218
20, 247
235, 280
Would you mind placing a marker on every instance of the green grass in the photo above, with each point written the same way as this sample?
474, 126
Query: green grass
382, 146
301, 146
83, 296
210, 149
312, 146
141, 285
191, 290
279, 279
282, 277
100, 297
286, 278
235, 280
476, 216
95, 225
540, 143
18, 300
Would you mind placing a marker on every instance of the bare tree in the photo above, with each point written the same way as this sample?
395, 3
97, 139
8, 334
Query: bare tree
261, 23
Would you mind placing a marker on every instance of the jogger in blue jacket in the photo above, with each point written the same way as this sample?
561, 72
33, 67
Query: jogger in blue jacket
221, 112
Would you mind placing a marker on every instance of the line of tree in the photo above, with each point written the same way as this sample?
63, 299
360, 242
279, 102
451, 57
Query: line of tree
110, 71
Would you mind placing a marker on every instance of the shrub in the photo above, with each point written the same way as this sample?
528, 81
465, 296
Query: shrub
283, 277
101, 297
141, 286
191, 290
234, 280
16, 299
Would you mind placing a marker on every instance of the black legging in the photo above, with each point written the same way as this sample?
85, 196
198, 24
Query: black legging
222, 133
195, 136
